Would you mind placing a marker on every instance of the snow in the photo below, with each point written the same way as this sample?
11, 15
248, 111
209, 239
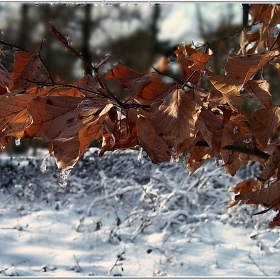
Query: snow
119, 216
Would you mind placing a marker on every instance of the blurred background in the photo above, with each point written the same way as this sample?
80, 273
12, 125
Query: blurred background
136, 34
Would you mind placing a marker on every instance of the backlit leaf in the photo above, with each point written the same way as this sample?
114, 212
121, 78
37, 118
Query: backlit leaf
175, 118
26, 65
263, 124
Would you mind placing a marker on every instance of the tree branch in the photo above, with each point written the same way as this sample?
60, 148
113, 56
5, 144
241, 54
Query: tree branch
243, 150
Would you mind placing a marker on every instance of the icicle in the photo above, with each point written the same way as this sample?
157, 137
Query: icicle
140, 155
17, 142
174, 154
112, 139
43, 166
63, 176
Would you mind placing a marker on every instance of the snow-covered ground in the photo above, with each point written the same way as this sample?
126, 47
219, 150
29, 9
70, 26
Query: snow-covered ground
120, 217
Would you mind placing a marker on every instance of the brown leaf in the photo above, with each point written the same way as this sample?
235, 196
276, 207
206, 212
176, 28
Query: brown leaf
198, 157
276, 63
259, 12
261, 90
153, 144
232, 203
211, 129
247, 39
160, 65
72, 142
247, 186
5, 78
231, 161
192, 62
267, 196
26, 65
242, 68
112, 141
126, 76
236, 131
14, 118
89, 83
271, 164
274, 19
244, 159
175, 118
91, 106
51, 115
276, 221
153, 90
263, 124
229, 88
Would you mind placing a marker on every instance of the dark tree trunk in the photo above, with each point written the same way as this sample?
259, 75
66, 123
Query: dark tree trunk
86, 28
246, 8
23, 32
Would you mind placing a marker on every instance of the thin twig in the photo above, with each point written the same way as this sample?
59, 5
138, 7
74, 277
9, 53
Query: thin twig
12, 45
225, 38
78, 265
256, 265
162, 74
3, 270
63, 39
97, 92
276, 39
119, 258
43, 62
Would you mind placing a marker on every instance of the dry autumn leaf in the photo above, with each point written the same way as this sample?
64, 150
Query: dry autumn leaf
276, 221
175, 118
153, 144
268, 196
126, 76
5, 77
72, 142
229, 88
271, 165
51, 115
260, 89
154, 90
192, 62
263, 124
211, 129
242, 68
26, 65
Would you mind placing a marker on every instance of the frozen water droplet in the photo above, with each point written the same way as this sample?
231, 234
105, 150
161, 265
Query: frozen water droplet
112, 139
17, 142
174, 154
43, 166
63, 176
140, 155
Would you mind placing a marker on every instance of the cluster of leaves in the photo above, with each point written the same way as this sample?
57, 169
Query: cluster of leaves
167, 118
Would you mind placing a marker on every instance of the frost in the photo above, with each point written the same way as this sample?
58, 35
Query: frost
63, 176
17, 142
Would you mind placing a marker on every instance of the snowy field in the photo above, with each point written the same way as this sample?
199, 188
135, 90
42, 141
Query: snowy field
120, 217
